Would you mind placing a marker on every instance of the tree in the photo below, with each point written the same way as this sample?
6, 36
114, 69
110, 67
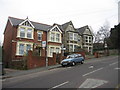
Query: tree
114, 36
102, 33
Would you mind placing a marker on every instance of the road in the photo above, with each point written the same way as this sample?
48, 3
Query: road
96, 73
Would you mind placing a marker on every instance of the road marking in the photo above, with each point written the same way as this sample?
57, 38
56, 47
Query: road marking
117, 68
92, 83
59, 85
113, 63
92, 72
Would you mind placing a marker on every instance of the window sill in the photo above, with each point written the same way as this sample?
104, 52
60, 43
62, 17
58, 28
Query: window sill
25, 38
55, 41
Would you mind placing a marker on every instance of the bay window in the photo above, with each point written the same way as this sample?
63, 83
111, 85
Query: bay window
57, 37
22, 32
21, 49
29, 33
52, 37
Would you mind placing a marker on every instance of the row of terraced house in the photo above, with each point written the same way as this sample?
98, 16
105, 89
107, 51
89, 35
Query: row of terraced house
22, 35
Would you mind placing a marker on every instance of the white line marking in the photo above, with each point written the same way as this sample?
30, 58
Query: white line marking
59, 85
113, 63
92, 72
117, 68
92, 83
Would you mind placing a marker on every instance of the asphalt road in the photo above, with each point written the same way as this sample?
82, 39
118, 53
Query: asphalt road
96, 73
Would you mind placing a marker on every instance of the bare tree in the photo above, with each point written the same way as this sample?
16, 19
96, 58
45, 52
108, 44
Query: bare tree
102, 33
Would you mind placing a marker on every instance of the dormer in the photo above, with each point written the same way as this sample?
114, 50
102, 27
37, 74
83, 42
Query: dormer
55, 34
26, 29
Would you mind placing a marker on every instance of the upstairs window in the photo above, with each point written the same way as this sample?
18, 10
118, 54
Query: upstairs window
39, 36
52, 37
75, 37
29, 33
57, 37
22, 32
71, 36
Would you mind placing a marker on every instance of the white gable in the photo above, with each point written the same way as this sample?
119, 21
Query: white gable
27, 22
55, 29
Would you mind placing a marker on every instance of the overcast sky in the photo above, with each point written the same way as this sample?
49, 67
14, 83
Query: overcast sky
81, 12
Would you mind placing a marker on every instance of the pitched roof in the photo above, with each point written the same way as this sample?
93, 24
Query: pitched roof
65, 25
82, 29
38, 26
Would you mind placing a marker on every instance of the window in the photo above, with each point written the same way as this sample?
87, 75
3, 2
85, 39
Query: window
21, 49
71, 36
75, 47
51, 51
52, 37
22, 32
29, 33
57, 37
39, 36
75, 36
57, 50
28, 47
71, 48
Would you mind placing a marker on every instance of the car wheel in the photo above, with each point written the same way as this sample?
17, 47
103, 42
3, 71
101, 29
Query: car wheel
73, 63
82, 62
63, 65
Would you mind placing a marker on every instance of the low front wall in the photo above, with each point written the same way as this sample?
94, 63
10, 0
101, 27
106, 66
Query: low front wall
39, 61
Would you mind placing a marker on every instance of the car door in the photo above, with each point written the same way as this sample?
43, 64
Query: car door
76, 58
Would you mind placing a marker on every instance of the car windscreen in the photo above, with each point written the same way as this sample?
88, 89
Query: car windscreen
70, 56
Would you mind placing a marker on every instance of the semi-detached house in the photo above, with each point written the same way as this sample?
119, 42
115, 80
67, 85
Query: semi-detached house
21, 35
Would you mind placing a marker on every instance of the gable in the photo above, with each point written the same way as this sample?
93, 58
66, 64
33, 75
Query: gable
27, 22
70, 28
88, 32
55, 29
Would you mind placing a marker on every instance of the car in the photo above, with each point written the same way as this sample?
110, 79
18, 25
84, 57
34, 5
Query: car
72, 60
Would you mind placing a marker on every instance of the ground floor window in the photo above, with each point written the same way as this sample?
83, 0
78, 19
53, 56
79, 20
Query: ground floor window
51, 51
23, 48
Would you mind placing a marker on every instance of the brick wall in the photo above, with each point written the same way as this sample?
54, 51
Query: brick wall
39, 61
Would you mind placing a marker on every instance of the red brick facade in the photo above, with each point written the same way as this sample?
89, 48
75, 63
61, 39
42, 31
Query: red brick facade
10, 43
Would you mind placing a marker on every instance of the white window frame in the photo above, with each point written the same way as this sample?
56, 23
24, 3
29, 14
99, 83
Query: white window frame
75, 37
29, 32
25, 48
26, 31
40, 35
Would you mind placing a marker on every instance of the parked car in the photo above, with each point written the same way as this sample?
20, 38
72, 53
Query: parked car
72, 60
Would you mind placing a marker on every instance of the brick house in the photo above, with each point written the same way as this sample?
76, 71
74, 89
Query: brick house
21, 35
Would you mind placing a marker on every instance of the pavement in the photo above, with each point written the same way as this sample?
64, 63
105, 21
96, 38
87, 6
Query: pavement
9, 73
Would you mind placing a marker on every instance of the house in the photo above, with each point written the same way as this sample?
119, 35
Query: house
21, 35
76, 39
71, 39
87, 38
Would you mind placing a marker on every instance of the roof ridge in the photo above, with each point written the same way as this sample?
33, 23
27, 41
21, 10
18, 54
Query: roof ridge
30, 20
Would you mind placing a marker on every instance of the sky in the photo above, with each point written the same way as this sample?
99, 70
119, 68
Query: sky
94, 13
